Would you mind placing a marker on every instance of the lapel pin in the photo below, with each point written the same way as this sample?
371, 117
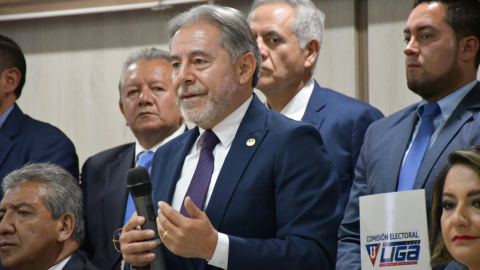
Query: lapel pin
250, 142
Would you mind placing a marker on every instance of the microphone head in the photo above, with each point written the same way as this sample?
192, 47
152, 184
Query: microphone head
138, 182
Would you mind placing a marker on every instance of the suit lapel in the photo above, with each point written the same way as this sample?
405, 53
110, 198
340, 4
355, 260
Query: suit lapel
238, 158
459, 117
398, 148
115, 193
313, 114
10, 129
175, 165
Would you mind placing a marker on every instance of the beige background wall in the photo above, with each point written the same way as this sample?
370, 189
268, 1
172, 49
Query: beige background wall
74, 63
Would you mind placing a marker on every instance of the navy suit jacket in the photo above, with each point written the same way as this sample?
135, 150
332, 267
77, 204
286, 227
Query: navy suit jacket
342, 121
276, 200
77, 262
23, 140
381, 158
104, 185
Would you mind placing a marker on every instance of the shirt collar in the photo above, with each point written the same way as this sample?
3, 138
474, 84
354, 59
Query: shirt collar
449, 103
295, 108
60, 265
5, 115
139, 149
227, 129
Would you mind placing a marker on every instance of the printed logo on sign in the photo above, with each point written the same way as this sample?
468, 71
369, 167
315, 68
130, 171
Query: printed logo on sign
400, 253
394, 248
372, 252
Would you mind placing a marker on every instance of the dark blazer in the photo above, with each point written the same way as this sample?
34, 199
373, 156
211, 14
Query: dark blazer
342, 121
104, 185
381, 157
77, 262
23, 140
276, 200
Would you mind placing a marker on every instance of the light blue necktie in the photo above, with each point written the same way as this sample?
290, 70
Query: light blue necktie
409, 170
144, 160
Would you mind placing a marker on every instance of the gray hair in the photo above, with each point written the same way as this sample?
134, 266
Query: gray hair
309, 21
147, 54
235, 33
63, 191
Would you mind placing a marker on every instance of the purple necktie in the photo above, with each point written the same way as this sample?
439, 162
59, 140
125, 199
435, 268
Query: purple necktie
203, 173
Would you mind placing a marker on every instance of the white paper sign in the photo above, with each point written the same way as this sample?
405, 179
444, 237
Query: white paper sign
393, 231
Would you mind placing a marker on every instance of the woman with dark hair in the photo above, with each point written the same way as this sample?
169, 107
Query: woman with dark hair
456, 211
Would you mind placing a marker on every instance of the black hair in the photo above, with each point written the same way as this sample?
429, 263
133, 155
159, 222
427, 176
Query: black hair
11, 56
463, 16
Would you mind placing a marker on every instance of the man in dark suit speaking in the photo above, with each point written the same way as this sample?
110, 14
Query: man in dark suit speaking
247, 188
406, 150
147, 101
289, 34
23, 139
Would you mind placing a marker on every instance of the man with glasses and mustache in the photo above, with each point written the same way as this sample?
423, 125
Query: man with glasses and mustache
247, 188
406, 150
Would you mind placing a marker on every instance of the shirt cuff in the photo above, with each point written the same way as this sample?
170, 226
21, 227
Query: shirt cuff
220, 256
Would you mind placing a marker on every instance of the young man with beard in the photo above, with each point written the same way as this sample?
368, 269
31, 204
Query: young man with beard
406, 150
247, 188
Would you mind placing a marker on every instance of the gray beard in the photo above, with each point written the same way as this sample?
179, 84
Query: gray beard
216, 104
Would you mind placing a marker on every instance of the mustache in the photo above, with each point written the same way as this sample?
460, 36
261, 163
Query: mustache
190, 89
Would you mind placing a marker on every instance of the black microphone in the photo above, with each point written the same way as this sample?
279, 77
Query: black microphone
140, 186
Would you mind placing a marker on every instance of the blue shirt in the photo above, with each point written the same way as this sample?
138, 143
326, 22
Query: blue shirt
447, 105
5, 115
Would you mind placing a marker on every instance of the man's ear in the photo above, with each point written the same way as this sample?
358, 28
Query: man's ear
66, 225
12, 77
120, 104
469, 47
246, 64
311, 52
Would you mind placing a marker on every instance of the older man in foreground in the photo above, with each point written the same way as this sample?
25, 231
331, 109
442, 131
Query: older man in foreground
41, 220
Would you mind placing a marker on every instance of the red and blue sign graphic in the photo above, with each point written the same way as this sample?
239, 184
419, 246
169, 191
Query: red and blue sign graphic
395, 253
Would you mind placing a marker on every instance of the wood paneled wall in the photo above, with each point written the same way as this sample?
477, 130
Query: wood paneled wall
74, 63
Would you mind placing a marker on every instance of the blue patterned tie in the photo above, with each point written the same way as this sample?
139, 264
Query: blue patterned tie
409, 170
144, 160
203, 173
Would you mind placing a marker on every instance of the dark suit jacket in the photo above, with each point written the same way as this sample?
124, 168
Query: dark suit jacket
77, 262
276, 200
23, 140
104, 185
342, 122
381, 157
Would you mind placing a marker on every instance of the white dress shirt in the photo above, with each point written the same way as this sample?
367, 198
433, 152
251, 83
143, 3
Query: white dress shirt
60, 265
295, 109
139, 149
225, 132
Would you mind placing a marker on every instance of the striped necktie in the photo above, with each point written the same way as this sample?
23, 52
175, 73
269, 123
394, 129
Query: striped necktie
203, 173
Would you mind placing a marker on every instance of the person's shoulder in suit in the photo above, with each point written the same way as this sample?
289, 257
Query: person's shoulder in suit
392, 120
349, 107
100, 160
79, 262
46, 143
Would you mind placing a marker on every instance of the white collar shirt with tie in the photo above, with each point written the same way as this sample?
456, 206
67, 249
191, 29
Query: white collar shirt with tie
225, 132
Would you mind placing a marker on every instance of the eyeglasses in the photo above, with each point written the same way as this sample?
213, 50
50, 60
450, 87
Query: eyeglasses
116, 239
